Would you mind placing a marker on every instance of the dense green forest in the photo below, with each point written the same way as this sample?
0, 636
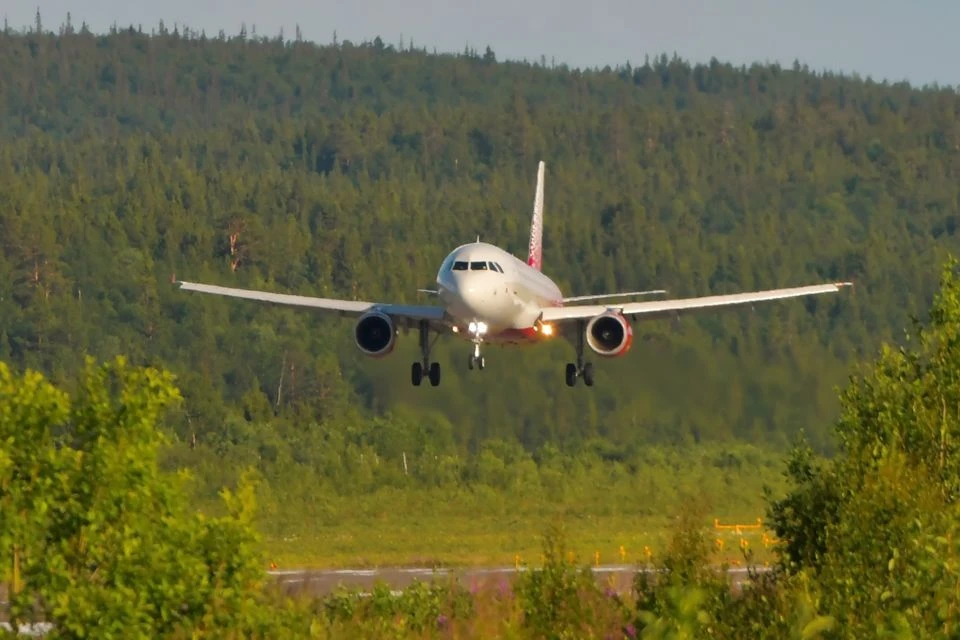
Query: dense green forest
351, 169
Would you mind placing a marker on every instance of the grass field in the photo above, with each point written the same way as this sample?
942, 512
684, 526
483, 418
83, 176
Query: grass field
502, 516
443, 537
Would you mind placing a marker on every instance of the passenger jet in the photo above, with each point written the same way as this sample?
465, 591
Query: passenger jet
487, 295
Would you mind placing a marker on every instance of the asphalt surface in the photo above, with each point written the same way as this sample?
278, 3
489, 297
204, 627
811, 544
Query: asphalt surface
319, 582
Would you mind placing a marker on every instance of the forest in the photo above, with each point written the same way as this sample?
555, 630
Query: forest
141, 155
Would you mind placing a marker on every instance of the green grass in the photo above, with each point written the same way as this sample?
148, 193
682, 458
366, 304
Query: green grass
502, 514
445, 537
461, 544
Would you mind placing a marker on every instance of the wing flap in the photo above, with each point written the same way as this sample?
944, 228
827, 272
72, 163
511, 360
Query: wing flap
659, 308
343, 307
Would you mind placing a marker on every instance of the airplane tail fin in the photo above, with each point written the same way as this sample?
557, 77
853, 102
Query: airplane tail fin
535, 257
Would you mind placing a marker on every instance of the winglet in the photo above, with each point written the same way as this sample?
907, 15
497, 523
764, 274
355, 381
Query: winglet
535, 257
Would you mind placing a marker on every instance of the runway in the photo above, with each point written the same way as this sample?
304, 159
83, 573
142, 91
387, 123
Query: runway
319, 582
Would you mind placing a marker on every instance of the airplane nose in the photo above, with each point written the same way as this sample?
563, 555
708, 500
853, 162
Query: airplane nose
473, 296
477, 294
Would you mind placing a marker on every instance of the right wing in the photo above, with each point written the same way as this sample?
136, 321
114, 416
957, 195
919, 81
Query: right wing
669, 308
351, 308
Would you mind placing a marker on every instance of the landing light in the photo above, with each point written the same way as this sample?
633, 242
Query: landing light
477, 328
547, 329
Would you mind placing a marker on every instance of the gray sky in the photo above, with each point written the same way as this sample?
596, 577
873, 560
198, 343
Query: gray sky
915, 40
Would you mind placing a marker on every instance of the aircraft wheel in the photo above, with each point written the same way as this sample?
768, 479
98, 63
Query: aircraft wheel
571, 374
470, 361
434, 374
481, 363
416, 374
588, 374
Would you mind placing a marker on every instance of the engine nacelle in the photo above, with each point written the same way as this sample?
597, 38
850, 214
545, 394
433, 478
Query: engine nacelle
375, 334
609, 334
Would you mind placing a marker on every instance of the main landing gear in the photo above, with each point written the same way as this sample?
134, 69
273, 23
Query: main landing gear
581, 368
425, 368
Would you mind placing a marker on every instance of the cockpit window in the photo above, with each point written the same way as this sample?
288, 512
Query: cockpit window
477, 265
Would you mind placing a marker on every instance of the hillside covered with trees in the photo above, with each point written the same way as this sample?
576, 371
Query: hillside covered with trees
352, 169
349, 169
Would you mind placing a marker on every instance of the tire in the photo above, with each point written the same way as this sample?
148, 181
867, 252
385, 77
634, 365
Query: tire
571, 374
588, 374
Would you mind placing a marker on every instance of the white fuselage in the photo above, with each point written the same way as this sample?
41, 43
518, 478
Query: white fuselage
482, 284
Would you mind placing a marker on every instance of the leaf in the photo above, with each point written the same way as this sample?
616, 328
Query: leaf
817, 626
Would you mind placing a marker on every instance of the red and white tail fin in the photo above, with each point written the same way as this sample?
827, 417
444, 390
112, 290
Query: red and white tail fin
535, 257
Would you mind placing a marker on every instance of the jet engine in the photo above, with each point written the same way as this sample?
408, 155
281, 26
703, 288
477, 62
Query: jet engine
375, 334
609, 334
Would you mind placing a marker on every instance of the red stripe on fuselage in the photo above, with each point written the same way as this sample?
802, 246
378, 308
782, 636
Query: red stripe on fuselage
517, 335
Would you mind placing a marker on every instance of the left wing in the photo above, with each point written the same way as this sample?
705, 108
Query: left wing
667, 308
342, 308
625, 294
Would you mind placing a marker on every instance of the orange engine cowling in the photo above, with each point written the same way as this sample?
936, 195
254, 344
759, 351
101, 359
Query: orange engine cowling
609, 334
375, 334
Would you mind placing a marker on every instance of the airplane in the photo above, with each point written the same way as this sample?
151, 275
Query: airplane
489, 296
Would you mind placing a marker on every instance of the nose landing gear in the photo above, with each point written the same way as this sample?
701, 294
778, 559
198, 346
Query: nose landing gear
477, 330
476, 360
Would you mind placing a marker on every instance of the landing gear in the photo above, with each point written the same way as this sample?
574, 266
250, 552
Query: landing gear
476, 360
417, 373
580, 369
425, 368
587, 373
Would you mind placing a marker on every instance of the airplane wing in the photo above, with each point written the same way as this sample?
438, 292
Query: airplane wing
625, 294
670, 308
342, 308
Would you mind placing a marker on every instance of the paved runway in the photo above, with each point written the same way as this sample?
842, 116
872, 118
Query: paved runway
323, 581
319, 582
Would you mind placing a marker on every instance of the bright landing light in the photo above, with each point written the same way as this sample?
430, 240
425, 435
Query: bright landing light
547, 329
477, 328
